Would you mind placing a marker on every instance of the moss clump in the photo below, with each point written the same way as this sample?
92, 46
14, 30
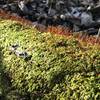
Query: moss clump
60, 68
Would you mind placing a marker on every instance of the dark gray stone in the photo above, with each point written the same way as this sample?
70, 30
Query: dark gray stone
81, 14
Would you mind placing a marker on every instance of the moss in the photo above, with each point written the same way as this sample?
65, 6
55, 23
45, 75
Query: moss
60, 67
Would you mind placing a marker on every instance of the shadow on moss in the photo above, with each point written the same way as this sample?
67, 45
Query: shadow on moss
2, 76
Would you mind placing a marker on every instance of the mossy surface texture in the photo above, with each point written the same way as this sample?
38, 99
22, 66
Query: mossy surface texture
61, 68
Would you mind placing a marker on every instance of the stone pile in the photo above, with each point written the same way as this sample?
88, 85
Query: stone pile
79, 15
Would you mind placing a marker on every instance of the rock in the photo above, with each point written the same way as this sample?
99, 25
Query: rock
52, 12
23, 7
87, 2
63, 17
23, 54
75, 12
59, 5
76, 28
92, 31
14, 47
86, 19
6, 7
2, 2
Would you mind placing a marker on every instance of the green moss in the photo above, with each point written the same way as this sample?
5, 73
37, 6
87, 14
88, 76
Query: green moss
60, 67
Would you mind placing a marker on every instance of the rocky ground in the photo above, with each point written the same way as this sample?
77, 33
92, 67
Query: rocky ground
79, 15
